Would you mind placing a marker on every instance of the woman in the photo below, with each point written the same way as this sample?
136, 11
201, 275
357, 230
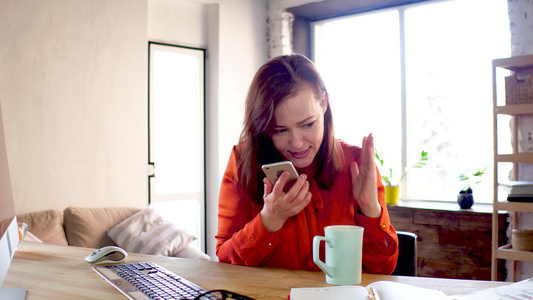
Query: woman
288, 117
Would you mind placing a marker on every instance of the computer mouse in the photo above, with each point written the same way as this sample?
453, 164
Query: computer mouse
108, 254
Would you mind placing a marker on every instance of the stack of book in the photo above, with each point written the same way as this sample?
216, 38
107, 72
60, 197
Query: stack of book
519, 191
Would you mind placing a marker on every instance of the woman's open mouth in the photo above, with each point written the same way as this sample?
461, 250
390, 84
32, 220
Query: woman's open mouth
300, 154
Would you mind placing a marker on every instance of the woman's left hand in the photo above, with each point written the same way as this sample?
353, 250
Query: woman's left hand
364, 181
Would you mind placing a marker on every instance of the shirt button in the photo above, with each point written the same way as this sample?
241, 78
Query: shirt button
270, 244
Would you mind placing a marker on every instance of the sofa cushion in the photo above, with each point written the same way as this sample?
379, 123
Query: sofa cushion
86, 227
46, 225
146, 232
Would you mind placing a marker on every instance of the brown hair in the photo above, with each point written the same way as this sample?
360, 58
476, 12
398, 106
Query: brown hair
278, 79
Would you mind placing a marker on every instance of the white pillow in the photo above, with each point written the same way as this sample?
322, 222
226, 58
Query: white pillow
146, 232
192, 253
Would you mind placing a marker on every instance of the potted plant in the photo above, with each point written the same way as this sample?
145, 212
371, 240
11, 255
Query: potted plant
392, 188
465, 199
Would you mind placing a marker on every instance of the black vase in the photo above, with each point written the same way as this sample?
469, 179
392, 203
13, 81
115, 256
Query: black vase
465, 201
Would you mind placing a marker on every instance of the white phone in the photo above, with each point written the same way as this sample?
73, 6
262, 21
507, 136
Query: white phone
274, 170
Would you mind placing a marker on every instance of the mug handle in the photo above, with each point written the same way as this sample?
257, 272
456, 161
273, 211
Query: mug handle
316, 251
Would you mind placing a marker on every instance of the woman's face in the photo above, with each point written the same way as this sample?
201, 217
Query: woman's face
299, 127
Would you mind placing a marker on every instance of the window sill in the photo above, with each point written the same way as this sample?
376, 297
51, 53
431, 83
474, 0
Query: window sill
442, 206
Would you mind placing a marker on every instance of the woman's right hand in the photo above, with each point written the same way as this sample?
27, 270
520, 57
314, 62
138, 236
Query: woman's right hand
278, 205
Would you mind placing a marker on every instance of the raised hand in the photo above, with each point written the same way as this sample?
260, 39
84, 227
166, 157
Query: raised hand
364, 181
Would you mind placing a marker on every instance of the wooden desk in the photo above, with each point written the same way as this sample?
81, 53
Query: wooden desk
58, 272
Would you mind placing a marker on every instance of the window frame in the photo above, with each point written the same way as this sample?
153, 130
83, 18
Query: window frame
400, 8
305, 14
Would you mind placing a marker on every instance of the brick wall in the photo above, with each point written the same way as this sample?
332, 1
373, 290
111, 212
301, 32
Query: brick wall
521, 21
451, 244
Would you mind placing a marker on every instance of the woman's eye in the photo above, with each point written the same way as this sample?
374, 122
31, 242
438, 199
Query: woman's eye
279, 131
309, 125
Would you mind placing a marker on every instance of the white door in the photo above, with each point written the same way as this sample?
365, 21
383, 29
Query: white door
176, 136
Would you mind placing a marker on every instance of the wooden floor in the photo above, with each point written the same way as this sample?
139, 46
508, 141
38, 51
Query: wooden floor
452, 243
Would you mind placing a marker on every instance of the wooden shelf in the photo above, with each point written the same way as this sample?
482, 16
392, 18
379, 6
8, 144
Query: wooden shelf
514, 206
524, 65
514, 158
515, 109
516, 63
507, 252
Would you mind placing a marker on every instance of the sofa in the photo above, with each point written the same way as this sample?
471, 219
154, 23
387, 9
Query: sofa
133, 229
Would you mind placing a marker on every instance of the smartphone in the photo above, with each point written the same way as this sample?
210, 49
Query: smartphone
274, 170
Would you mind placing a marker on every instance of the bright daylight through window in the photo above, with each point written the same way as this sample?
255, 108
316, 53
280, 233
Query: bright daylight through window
419, 78
177, 115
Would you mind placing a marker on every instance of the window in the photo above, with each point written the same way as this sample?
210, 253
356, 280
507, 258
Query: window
419, 78
176, 142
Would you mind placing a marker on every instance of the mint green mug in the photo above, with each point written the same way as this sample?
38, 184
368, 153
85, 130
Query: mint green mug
344, 248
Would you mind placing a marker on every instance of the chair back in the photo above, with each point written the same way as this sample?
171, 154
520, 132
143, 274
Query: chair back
407, 256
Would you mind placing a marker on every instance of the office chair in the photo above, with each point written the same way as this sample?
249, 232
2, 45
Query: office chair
407, 256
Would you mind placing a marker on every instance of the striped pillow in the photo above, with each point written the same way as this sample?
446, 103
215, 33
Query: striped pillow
146, 232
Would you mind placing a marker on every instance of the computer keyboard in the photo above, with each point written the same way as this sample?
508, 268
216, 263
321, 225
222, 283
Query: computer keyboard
148, 280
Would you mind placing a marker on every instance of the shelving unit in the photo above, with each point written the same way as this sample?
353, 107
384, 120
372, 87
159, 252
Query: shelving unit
518, 64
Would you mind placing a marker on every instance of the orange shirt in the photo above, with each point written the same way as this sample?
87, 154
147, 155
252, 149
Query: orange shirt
242, 239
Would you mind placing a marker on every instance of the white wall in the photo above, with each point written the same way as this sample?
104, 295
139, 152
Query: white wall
73, 93
73, 90
178, 22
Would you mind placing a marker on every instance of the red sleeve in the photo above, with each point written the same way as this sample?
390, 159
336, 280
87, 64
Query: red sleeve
380, 241
241, 239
